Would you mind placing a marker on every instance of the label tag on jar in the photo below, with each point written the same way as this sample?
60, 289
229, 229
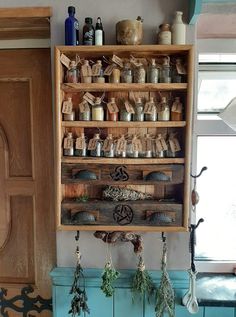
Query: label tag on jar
146, 144
149, 108
67, 107
117, 60
136, 144
109, 69
161, 107
180, 69
121, 145
135, 62
86, 71
96, 69
80, 143
161, 144
174, 145
92, 144
90, 98
68, 143
107, 145
83, 106
129, 108
65, 60
112, 107
177, 107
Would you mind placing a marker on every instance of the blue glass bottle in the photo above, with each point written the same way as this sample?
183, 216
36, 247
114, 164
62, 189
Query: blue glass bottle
71, 28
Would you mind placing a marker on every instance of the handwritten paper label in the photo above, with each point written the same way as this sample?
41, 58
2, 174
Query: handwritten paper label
121, 145
86, 71
67, 107
146, 144
177, 107
112, 107
96, 69
136, 144
68, 143
92, 144
180, 68
89, 98
80, 143
65, 60
117, 60
135, 62
129, 108
161, 144
149, 108
109, 69
84, 107
174, 145
107, 145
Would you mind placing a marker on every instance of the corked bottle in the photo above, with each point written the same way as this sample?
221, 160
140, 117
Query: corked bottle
163, 110
174, 149
177, 110
152, 72
95, 146
112, 113
86, 72
68, 145
147, 148
81, 146
165, 72
178, 72
160, 146
67, 110
114, 78
126, 111
127, 74
140, 75
139, 108
150, 110
109, 146
98, 77
98, 110
121, 147
72, 74
84, 111
164, 34
132, 148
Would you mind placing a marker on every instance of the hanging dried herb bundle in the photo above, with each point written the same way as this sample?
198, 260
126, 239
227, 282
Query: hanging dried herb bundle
108, 277
79, 300
165, 298
142, 282
122, 194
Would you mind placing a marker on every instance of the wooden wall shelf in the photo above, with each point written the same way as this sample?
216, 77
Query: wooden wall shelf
122, 124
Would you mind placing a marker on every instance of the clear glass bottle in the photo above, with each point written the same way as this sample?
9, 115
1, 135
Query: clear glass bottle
165, 72
69, 116
127, 74
151, 116
111, 152
88, 32
98, 110
72, 74
177, 110
86, 114
170, 151
81, 146
157, 152
112, 116
100, 78
177, 77
124, 114
147, 151
152, 72
164, 34
114, 78
97, 152
131, 152
139, 75
68, 145
86, 78
119, 153
163, 110
139, 114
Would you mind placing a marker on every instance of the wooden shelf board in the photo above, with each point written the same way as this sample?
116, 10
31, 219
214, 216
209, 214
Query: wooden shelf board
122, 124
68, 87
134, 161
115, 183
68, 202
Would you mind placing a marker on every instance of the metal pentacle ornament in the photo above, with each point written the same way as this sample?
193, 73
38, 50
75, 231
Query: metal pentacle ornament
123, 214
120, 174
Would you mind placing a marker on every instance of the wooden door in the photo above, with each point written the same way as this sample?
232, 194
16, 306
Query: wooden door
27, 235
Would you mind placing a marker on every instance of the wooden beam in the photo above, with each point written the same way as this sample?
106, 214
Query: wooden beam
26, 12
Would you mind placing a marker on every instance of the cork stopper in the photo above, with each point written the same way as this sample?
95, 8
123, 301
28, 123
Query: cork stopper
151, 99
96, 136
97, 101
99, 62
165, 27
69, 99
139, 100
69, 135
72, 64
163, 99
177, 98
113, 100
109, 136
153, 62
82, 135
86, 62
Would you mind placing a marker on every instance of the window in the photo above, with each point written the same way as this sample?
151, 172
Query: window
216, 149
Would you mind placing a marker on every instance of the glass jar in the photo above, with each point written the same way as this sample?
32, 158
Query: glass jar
151, 116
69, 116
178, 72
97, 110
127, 74
81, 146
165, 73
99, 78
139, 108
164, 34
114, 78
124, 114
68, 145
140, 75
112, 116
87, 76
173, 152
163, 110
72, 73
119, 153
158, 151
111, 151
147, 148
85, 114
130, 149
97, 152
152, 72
177, 110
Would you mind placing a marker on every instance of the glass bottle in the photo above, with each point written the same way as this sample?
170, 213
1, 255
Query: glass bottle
111, 152
152, 72
171, 152
121, 153
88, 32
178, 29
177, 110
130, 148
81, 146
68, 145
164, 34
139, 114
114, 78
71, 28
151, 116
177, 76
100, 78
69, 116
88, 77
139, 75
163, 110
72, 73
98, 110
147, 148
127, 74
165, 75
124, 114
158, 151
99, 33
85, 115
97, 152
112, 116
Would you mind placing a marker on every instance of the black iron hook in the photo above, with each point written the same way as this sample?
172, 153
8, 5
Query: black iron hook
163, 236
77, 236
202, 170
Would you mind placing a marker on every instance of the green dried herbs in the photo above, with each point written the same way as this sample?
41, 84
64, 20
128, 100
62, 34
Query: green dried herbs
79, 300
142, 282
108, 277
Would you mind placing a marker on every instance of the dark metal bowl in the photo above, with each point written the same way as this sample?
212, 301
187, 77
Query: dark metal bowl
157, 176
83, 217
85, 175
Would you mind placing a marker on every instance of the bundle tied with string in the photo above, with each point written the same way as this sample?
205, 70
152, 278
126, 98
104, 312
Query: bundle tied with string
79, 300
109, 275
